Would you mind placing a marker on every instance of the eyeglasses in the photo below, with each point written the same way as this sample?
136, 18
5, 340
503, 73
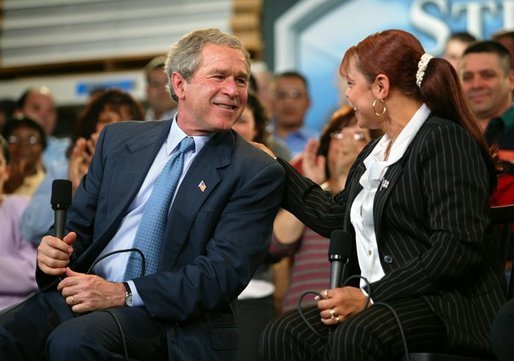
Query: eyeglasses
31, 140
291, 94
157, 84
358, 136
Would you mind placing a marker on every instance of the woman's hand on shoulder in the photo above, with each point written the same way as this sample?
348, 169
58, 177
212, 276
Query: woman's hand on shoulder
264, 149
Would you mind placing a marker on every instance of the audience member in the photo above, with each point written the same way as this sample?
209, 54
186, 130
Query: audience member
105, 107
7, 108
340, 142
277, 145
160, 106
17, 257
488, 82
455, 46
39, 104
27, 141
198, 256
506, 38
256, 301
263, 79
289, 104
415, 210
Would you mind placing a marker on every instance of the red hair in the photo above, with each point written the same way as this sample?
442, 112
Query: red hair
396, 54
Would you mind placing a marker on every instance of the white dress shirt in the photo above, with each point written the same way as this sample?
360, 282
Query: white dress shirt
361, 213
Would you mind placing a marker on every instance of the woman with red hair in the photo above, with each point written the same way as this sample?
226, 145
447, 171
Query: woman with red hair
414, 211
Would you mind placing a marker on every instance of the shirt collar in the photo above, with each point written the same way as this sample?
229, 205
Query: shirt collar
408, 133
508, 117
375, 163
176, 135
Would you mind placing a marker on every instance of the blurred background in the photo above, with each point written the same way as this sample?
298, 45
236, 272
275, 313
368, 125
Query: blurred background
77, 46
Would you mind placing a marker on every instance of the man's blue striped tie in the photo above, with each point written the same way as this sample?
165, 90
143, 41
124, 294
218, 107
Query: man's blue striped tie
150, 233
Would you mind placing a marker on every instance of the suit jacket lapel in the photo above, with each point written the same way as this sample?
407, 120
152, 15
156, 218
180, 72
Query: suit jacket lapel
354, 189
131, 168
384, 192
203, 174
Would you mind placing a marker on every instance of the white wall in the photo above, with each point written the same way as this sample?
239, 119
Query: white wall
55, 31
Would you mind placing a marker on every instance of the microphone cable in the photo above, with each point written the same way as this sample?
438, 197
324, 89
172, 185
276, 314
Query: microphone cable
143, 260
300, 300
368, 301
116, 320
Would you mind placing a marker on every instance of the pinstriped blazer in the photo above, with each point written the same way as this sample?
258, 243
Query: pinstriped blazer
430, 223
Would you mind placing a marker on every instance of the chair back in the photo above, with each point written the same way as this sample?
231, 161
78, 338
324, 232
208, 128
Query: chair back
502, 218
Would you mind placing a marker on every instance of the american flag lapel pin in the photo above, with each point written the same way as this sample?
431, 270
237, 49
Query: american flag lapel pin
385, 184
202, 186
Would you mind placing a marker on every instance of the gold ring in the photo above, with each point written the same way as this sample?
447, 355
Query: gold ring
325, 294
337, 319
332, 313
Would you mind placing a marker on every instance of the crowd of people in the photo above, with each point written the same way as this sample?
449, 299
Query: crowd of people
408, 171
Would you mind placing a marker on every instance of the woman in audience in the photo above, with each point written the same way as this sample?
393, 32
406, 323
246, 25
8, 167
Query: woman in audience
17, 257
104, 107
27, 141
255, 303
108, 106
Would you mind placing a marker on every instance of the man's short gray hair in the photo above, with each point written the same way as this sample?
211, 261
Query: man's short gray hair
185, 55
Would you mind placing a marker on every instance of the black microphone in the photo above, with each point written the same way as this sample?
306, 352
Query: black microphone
339, 252
61, 200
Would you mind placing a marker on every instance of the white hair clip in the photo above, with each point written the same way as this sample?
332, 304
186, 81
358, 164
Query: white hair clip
422, 66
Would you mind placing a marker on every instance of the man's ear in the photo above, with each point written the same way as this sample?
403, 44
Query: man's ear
380, 86
178, 82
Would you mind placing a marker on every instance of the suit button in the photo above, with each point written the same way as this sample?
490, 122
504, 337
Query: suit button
388, 259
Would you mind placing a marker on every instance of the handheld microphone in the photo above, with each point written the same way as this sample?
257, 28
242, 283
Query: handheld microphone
339, 253
61, 200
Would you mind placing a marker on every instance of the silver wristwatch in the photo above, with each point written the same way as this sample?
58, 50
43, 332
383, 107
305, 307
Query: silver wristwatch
128, 294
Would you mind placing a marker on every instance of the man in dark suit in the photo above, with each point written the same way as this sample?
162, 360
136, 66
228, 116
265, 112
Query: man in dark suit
215, 234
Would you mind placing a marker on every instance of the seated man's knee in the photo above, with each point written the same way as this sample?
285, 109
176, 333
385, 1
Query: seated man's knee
65, 340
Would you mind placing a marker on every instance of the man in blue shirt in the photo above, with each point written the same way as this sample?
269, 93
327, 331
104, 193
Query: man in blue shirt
290, 102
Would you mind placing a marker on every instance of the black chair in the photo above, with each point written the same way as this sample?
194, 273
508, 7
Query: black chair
502, 218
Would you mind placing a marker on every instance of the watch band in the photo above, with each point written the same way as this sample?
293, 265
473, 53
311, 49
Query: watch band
128, 294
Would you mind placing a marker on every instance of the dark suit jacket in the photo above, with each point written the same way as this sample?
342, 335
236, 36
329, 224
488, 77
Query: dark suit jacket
214, 239
430, 223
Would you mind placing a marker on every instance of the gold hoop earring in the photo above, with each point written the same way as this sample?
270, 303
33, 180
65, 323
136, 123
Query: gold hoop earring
383, 110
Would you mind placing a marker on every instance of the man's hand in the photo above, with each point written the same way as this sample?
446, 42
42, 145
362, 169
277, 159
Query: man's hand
85, 293
53, 254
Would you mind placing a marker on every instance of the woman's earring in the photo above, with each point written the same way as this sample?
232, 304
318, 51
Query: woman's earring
383, 110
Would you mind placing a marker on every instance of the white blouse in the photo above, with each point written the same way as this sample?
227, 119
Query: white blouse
361, 213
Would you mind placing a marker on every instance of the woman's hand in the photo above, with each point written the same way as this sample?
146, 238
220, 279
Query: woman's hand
17, 173
313, 165
80, 158
263, 148
340, 303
